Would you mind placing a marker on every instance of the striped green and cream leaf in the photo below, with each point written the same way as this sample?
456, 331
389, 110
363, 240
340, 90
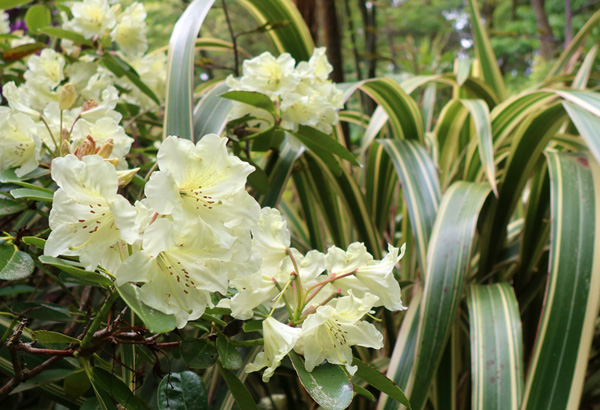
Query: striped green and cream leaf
496, 347
180, 70
562, 346
448, 262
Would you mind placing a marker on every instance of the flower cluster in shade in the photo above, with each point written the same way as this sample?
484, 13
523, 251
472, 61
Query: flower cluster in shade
303, 93
198, 236
68, 96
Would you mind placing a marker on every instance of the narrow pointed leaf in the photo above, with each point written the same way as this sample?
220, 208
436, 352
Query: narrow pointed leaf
588, 126
484, 52
211, 112
240, 394
378, 380
114, 387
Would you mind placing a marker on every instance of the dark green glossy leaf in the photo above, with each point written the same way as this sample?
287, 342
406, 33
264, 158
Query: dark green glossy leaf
155, 321
47, 336
76, 384
228, 353
43, 311
9, 206
76, 272
67, 35
240, 394
32, 194
121, 68
255, 99
15, 290
116, 389
182, 391
198, 354
327, 384
378, 380
34, 241
14, 264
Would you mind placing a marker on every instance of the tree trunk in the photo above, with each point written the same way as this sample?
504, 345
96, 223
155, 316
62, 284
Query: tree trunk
333, 39
308, 10
547, 41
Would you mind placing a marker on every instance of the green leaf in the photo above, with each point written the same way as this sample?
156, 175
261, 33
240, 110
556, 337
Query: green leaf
121, 68
584, 72
155, 321
481, 117
43, 311
485, 54
210, 114
116, 389
9, 206
237, 389
11, 4
15, 290
253, 98
47, 336
180, 71
228, 353
557, 369
9, 176
588, 126
420, 187
37, 17
34, 241
279, 169
47, 377
67, 35
23, 51
182, 391
198, 354
496, 347
76, 273
76, 384
448, 261
312, 138
378, 380
14, 264
283, 25
327, 384
32, 194
574, 48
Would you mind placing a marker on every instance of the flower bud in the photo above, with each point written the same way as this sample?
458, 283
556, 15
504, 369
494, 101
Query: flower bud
65, 148
125, 177
106, 149
67, 96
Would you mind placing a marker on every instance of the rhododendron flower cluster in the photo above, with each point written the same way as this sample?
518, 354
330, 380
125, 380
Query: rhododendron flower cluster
198, 233
303, 93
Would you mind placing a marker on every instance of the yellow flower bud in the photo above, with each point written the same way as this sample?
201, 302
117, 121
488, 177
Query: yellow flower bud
65, 148
67, 96
106, 149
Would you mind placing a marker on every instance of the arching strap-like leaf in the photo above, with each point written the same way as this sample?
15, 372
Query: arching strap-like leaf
210, 114
448, 261
484, 52
285, 26
496, 347
481, 117
421, 188
574, 48
588, 126
180, 71
562, 346
583, 74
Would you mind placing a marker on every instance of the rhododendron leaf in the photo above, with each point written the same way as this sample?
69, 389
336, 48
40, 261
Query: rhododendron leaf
66, 34
182, 391
198, 354
37, 17
327, 384
14, 264
155, 321
252, 98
